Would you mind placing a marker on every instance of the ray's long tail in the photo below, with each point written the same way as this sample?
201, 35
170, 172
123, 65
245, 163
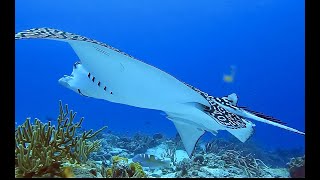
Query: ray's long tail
268, 120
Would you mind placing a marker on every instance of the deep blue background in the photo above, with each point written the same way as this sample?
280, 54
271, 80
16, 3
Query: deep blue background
195, 41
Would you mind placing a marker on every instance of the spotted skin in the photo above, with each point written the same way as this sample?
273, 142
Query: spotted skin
50, 33
226, 102
220, 114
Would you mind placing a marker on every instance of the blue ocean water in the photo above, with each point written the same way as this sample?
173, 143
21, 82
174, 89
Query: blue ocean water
195, 41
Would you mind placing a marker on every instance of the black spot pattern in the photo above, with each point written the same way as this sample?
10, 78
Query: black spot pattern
225, 101
58, 34
220, 114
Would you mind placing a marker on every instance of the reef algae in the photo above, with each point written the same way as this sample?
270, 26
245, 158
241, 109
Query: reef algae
41, 148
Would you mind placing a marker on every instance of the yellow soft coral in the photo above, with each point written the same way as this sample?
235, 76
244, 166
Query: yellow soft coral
133, 170
117, 159
136, 170
109, 173
67, 172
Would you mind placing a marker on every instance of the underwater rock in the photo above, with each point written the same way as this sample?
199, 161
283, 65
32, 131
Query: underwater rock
239, 176
157, 136
156, 173
202, 174
236, 171
276, 173
216, 172
111, 139
100, 156
124, 139
199, 159
180, 155
194, 173
81, 172
169, 175
117, 151
297, 167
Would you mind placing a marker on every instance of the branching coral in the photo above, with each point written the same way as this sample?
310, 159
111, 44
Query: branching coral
41, 145
252, 166
170, 152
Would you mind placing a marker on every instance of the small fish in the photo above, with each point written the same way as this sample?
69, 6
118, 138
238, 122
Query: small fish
229, 78
151, 161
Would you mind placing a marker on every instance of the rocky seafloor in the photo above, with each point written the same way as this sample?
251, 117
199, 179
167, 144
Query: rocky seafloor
216, 159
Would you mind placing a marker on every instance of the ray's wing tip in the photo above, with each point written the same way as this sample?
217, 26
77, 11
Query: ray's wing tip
34, 32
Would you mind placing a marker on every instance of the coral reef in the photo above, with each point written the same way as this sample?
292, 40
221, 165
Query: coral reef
67, 150
218, 158
253, 167
272, 158
183, 167
121, 169
139, 143
41, 148
296, 167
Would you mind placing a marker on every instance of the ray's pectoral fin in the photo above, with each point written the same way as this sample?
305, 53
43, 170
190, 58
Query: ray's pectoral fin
189, 135
233, 98
243, 134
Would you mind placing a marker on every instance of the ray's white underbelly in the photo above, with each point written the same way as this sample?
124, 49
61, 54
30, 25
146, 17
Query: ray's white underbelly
133, 82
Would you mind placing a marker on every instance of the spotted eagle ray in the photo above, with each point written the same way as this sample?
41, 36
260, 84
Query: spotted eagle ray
105, 72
